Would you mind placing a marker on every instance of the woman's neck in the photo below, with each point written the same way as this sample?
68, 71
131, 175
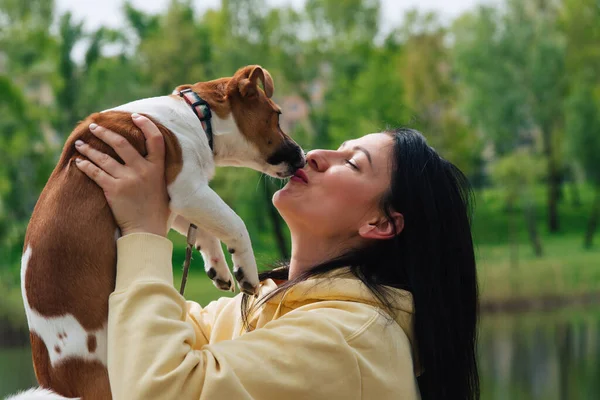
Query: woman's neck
309, 251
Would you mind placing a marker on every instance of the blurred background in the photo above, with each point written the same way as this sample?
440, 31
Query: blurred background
509, 90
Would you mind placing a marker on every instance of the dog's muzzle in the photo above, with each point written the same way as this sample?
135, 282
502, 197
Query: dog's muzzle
288, 153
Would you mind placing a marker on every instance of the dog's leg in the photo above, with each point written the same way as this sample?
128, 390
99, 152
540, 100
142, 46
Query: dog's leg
203, 207
209, 246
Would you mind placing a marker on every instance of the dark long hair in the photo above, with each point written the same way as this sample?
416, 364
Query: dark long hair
432, 257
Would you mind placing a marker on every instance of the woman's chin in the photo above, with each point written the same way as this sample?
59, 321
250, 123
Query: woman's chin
279, 198
284, 200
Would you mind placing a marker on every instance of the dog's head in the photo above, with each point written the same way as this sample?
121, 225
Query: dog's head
256, 140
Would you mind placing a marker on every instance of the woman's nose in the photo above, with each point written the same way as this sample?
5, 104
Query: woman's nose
316, 160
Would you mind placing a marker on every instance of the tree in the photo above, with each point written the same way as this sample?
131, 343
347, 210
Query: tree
430, 93
511, 66
516, 173
67, 92
74, 99
26, 139
583, 127
175, 53
580, 22
144, 25
340, 41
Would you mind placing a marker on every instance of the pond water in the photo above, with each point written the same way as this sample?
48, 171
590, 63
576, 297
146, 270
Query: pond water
550, 356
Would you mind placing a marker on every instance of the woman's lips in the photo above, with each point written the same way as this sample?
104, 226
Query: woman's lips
300, 176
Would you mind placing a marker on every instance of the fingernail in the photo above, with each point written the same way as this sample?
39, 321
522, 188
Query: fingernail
135, 115
93, 126
79, 143
78, 160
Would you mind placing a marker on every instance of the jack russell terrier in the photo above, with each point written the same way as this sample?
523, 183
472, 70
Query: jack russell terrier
68, 264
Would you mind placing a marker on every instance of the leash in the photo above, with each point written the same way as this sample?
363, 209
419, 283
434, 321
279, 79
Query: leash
202, 110
191, 240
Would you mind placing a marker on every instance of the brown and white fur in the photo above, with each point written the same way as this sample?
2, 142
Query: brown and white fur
68, 264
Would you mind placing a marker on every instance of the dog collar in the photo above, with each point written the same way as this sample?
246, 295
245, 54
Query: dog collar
202, 110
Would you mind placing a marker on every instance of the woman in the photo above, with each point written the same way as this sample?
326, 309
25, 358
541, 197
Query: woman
378, 301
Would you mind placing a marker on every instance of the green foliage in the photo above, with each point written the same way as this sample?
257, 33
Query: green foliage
511, 67
516, 172
581, 27
25, 42
176, 52
583, 126
430, 94
511, 62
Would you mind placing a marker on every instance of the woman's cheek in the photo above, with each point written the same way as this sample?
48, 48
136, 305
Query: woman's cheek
333, 204
343, 186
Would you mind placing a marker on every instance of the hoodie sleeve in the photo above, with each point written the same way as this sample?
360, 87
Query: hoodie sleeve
156, 353
148, 257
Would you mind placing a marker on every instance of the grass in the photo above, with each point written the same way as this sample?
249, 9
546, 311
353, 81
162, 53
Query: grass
565, 269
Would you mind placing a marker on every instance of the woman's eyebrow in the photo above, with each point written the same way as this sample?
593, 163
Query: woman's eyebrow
359, 148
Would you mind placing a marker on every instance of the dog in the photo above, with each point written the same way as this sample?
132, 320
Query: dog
69, 257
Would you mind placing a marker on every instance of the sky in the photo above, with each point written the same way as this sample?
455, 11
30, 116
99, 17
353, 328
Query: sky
108, 12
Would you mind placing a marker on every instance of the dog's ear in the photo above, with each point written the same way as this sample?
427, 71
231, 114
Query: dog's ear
260, 73
249, 86
180, 88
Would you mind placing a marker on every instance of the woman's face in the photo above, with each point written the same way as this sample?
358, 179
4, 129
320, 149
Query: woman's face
341, 189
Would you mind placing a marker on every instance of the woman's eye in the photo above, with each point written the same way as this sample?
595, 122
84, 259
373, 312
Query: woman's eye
354, 166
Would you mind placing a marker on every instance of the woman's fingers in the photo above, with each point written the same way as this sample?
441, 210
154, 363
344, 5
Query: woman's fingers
119, 144
96, 174
155, 143
102, 160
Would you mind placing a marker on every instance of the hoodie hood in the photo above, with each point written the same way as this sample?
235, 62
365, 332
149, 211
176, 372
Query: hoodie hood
342, 285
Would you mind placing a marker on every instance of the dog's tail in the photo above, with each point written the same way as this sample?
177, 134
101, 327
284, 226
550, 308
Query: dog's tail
38, 394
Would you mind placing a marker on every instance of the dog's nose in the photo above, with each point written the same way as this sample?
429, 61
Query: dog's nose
288, 152
299, 165
300, 162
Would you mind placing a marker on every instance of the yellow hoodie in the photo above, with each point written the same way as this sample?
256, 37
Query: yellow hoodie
325, 338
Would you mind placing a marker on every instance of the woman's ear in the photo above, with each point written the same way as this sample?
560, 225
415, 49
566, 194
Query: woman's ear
383, 229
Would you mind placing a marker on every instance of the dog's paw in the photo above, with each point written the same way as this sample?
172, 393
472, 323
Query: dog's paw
245, 272
217, 270
222, 281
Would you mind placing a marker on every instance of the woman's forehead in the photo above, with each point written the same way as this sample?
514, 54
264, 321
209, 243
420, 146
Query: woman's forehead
375, 141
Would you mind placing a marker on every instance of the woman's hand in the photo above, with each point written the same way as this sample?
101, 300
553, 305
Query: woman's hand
136, 192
